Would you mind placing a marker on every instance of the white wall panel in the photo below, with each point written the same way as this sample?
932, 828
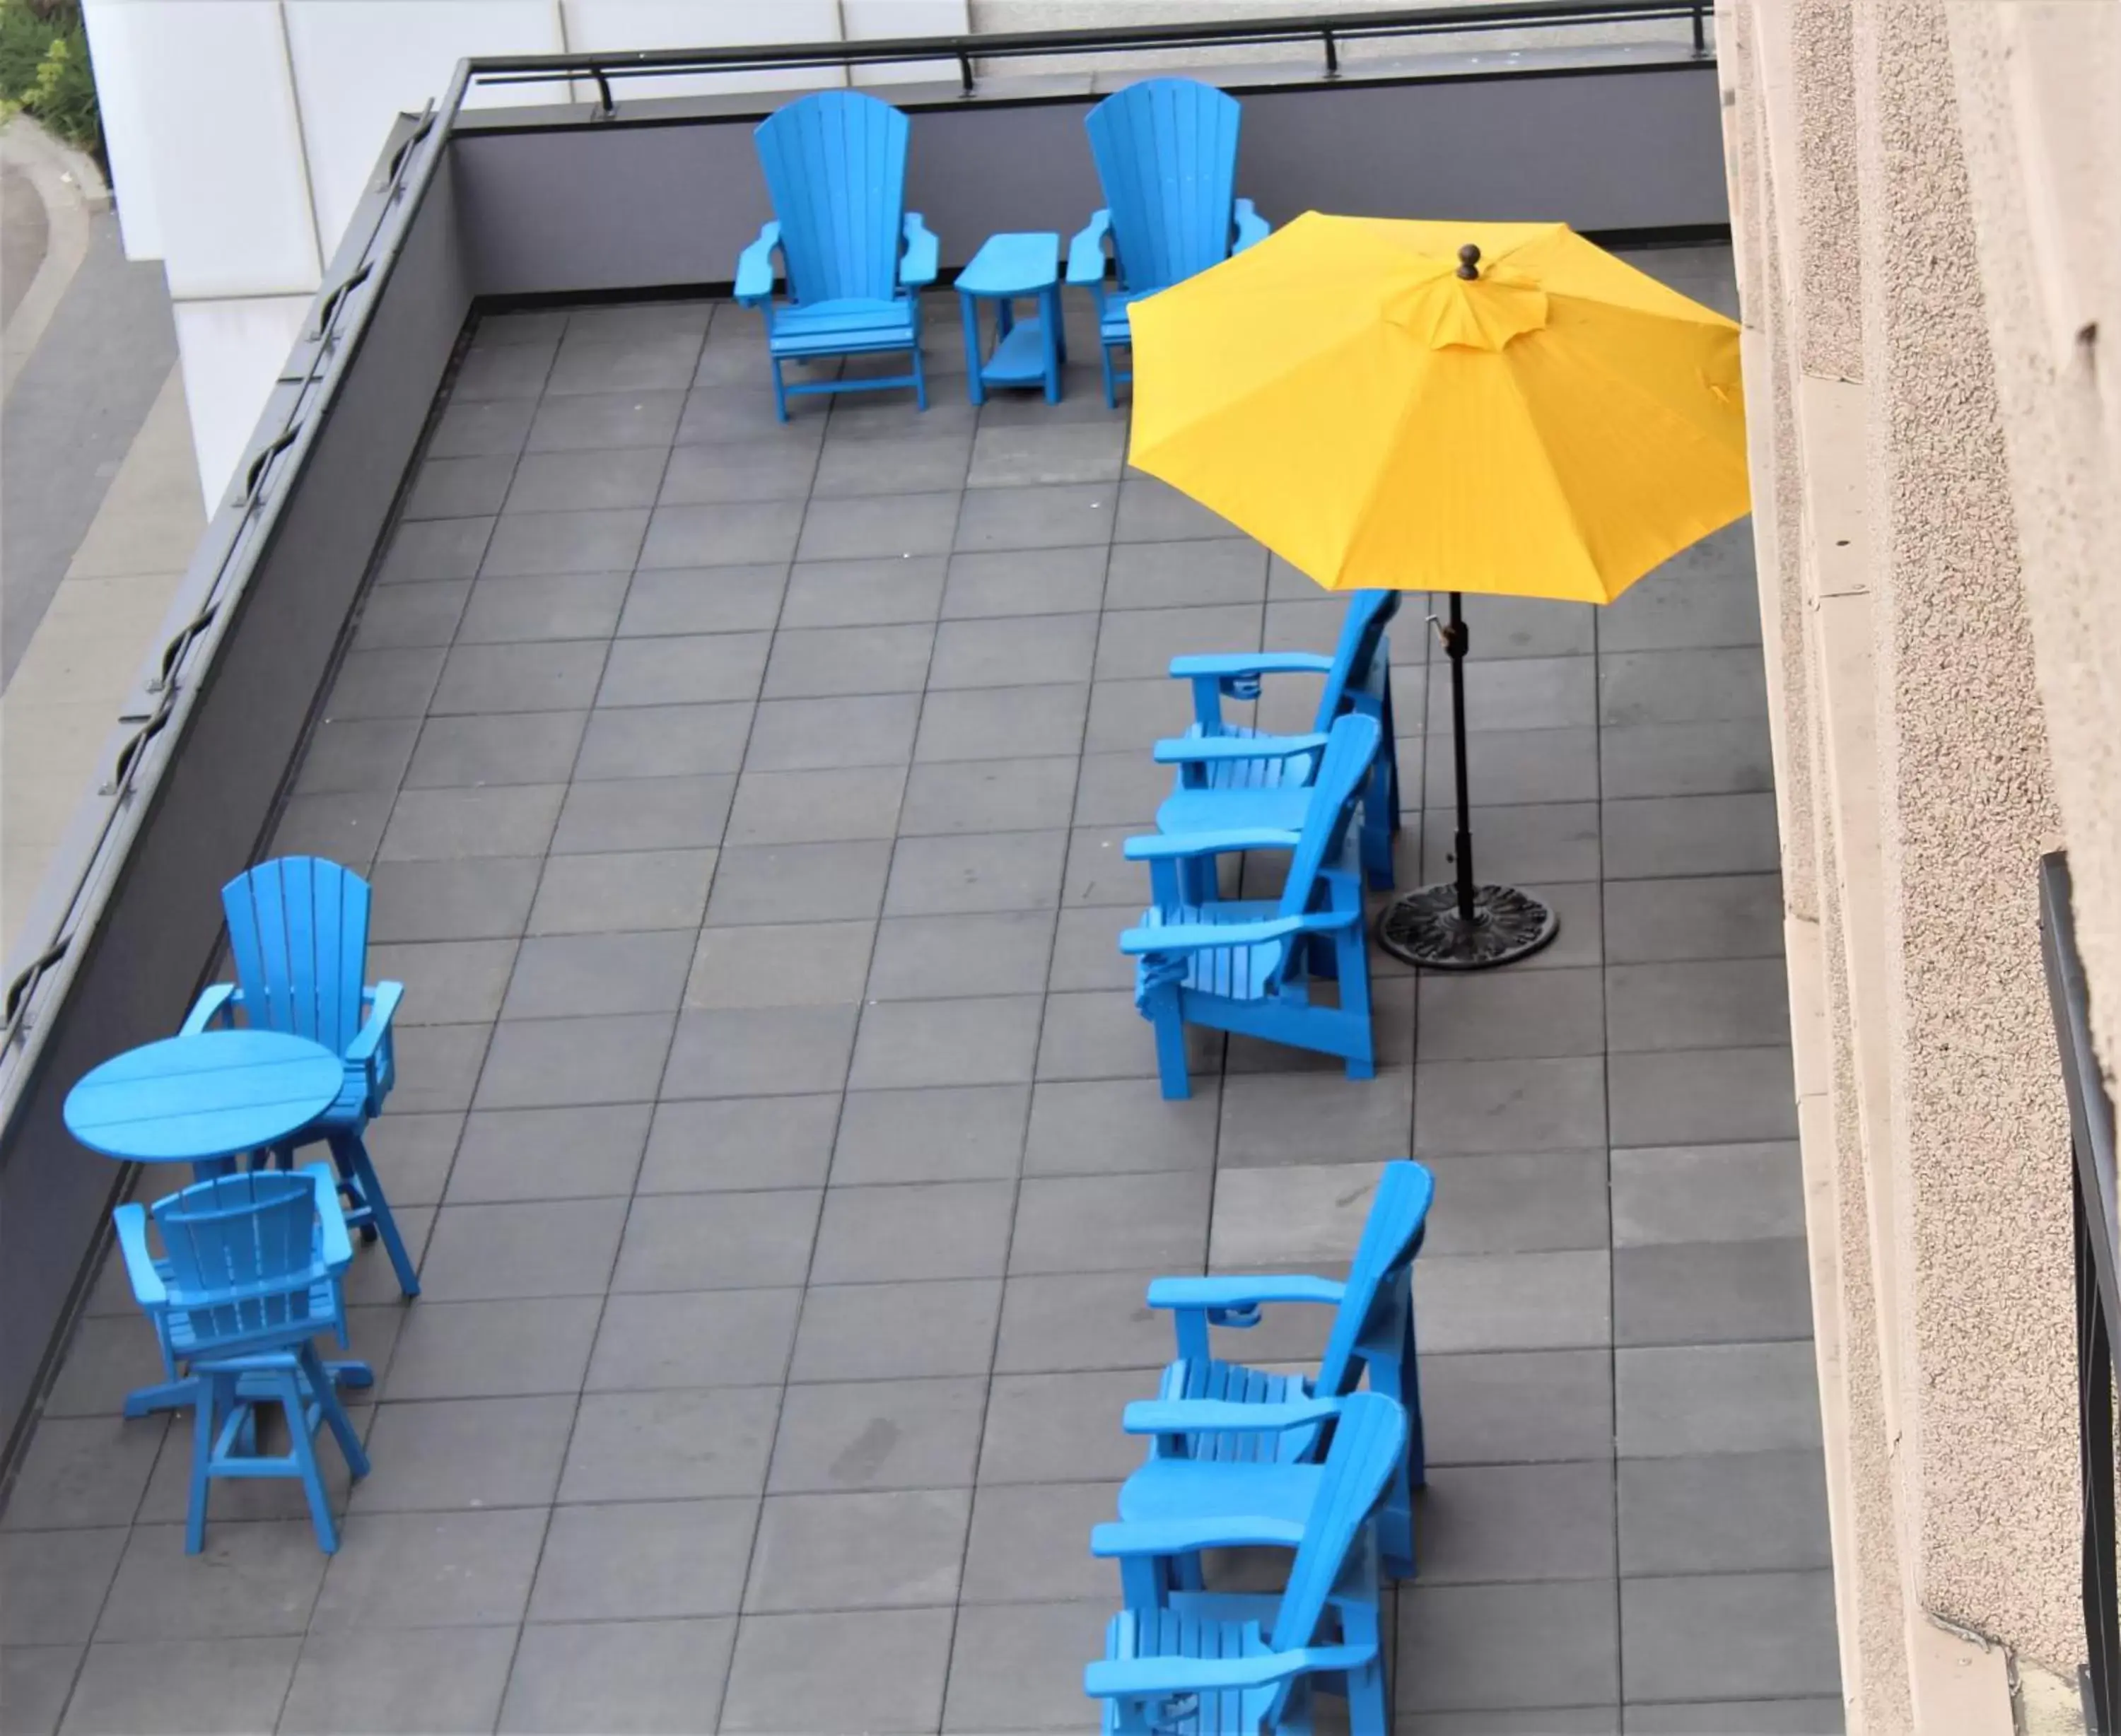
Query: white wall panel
359, 63
122, 64
865, 21
230, 187
231, 352
592, 24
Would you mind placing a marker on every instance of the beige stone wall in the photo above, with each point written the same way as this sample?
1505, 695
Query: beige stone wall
1924, 203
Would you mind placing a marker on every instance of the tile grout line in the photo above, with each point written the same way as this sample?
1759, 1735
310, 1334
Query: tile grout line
580, 1394
545, 1531
744, 1613
1016, 1194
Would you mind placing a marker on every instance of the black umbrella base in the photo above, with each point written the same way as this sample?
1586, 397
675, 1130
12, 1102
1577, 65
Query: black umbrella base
1425, 929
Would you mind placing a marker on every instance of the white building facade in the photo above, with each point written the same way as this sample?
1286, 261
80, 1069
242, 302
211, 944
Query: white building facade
240, 133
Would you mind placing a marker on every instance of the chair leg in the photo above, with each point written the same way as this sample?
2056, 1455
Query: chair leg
209, 1392
1111, 389
1369, 1706
1377, 846
1355, 972
287, 1388
920, 376
1144, 1582
779, 391
331, 1411
1170, 1030
353, 1158
1388, 754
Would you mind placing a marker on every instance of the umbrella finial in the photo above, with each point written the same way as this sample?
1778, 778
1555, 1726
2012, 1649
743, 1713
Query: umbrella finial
1469, 261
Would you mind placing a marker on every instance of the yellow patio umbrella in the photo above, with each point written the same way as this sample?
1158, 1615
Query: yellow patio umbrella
1497, 407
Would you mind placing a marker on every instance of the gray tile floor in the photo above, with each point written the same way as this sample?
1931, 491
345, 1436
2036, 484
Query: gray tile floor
742, 804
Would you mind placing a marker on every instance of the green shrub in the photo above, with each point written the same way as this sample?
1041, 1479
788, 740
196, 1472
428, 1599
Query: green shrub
25, 39
63, 97
45, 68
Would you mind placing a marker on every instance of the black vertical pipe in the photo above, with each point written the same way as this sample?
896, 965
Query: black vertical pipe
1454, 644
2101, 1686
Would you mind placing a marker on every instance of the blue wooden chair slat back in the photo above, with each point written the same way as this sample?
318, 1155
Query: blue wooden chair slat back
1349, 747
1362, 632
1368, 1441
1167, 155
1375, 1300
835, 165
242, 1254
298, 928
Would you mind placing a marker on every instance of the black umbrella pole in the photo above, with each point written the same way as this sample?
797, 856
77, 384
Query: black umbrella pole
1455, 638
1463, 926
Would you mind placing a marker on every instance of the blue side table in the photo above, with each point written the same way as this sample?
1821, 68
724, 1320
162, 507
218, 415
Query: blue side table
1007, 269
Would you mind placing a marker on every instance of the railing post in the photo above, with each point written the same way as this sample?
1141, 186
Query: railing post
1700, 28
1332, 55
964, 73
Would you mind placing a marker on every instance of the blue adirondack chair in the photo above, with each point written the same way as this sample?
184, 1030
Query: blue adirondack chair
1196, 1470
298, 928
1167, 156
251, 1275
1247, 965
856, 258
1231, 776
1209, 1664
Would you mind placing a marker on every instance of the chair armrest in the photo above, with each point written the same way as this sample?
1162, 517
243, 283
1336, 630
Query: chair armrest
384, 997
1217, 1417
334, 1243
918, 267
754, 267
1184, 1536
1199, 937
1126, 1677
216, 1002
1086, 253
1204, 750
1251, 226
148, 1289
1251, 662
1242, 1293
1180, 846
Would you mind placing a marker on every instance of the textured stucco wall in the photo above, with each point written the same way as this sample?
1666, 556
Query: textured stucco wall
1888, 160
1830, 291
2039, 90
1967, 805
1879, 1694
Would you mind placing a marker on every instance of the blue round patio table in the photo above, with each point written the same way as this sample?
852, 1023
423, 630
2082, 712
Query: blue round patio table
205, 1100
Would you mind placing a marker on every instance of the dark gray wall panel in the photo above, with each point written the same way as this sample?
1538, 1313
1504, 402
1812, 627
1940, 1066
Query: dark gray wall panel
622, 205
217, 794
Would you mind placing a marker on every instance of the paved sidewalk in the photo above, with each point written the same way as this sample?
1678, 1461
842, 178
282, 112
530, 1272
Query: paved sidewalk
100, 508
783, 1150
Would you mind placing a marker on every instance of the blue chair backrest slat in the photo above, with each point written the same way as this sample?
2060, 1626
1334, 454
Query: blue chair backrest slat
242, 1255
1167, 155
1362, 631
298, 930
1378, 1279
1369, 1440
835, 165
1350, 746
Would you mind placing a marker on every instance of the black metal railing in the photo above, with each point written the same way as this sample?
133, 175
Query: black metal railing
2098, 1256
1328, 35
